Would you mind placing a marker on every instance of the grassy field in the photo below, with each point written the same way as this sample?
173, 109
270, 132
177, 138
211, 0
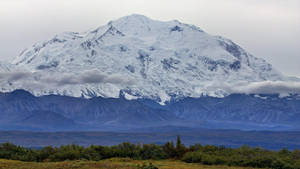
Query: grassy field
114, 163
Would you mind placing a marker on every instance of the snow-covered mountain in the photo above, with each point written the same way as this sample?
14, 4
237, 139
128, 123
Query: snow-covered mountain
136, 57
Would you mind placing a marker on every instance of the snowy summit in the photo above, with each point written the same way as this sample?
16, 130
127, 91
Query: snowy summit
135, 57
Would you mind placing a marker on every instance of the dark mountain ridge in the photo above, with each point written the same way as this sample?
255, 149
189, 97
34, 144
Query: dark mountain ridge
20, 110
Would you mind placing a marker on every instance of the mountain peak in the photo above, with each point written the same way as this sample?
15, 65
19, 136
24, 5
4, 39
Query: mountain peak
134, 17
131, 19
142, 58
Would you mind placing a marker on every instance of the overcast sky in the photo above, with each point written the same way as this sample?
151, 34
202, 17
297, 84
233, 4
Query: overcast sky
269, 29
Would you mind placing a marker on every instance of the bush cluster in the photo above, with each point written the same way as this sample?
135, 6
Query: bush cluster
208, 154
244, 156
93, 152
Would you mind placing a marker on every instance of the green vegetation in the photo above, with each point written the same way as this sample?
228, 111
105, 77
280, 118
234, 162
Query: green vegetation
206, 155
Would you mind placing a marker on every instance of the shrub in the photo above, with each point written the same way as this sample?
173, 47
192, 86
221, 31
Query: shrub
192, 157
152, 151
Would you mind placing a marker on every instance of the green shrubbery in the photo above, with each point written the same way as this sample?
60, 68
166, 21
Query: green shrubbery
208, 155
244, 156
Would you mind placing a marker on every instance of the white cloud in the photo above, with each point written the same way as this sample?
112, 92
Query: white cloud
283, 88
269, 87
42, 80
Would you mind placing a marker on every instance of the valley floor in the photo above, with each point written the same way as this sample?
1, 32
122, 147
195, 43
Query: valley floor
229, 138
114, 163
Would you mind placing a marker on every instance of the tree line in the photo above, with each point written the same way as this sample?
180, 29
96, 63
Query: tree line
205, 154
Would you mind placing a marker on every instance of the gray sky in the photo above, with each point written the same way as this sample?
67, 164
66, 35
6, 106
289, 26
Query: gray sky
268, 29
